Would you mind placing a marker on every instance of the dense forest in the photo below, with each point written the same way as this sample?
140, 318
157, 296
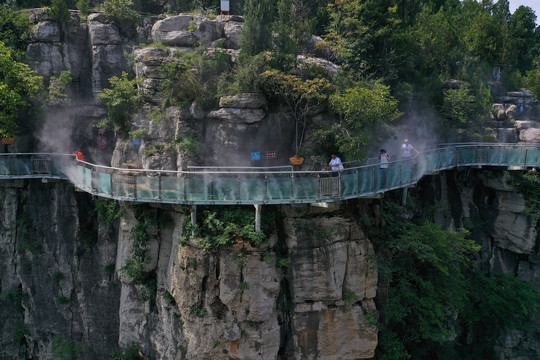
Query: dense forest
395, 56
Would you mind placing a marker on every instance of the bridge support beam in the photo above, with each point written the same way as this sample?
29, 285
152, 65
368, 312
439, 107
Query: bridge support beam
258, 209
404, 197
193, 217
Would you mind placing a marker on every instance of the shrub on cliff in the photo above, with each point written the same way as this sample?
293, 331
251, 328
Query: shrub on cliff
123, 99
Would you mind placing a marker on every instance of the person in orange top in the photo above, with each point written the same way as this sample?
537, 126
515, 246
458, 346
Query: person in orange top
79, 155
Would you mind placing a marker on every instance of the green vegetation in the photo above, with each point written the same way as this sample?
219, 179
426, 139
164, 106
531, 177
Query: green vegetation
439, 302
527, 184
60, 12
18, 84
123, 99
223, 226
107, 210
138, 134
14, 30
120, 10
188, 77
199, 311
65, 349
59, 85
134, 265
133, 352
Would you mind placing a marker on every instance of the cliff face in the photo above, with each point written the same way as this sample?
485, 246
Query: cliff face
62, 281
309, 294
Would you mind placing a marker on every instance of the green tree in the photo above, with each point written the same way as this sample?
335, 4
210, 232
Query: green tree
18, 85
121, 10
60, 12
257, 31
123, 100
483, 38
522, 35
14, 31
357, 107
458, 106
439, 304
300, 95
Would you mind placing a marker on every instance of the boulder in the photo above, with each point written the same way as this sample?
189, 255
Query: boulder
46, 31
511, 111
186, 30
103, 34
530, 135
244, 101
329, 66
233, 32
39, 14
238, 115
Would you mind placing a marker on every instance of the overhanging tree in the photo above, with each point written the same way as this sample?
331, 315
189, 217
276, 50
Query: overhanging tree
18, 85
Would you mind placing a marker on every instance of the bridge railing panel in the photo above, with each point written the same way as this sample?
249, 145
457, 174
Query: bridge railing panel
172, 188
349, 183
147, 187
280, 188
497, 156
467, 156
224, 188
253, 189
306, 188
532, 157
366, 180
516, 157
103, 183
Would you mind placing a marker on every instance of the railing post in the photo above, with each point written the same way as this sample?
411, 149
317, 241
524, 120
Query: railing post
266, 186
159, 186
525, 160
292, 185
193, 218
258, 209
356, 182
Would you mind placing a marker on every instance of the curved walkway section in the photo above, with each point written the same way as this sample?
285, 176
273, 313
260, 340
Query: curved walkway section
259, 185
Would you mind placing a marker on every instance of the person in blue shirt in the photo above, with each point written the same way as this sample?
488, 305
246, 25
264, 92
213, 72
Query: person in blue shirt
335, 165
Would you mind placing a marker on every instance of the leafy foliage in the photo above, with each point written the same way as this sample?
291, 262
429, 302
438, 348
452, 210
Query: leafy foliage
457, 106
14, 30
123, 99
257, 30
188, 76
60, 12
358, 107
301, 96
133, 352
223, 225
527, 184
59, 85
439, 303
121, 10
18, 83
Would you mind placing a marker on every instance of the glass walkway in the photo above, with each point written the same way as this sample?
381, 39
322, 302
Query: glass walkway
259, 185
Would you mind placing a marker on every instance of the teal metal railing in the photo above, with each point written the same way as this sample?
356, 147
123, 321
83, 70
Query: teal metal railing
259, 185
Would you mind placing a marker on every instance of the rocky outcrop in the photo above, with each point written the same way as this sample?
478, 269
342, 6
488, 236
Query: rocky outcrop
332, 289
186, 30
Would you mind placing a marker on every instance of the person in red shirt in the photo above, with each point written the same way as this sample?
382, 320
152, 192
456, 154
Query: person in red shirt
79, 155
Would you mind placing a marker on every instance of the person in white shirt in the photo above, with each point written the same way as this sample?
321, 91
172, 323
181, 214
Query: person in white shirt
335, 165
407, 149
384, 159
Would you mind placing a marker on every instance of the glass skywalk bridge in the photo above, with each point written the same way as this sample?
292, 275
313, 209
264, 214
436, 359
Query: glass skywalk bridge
258, 185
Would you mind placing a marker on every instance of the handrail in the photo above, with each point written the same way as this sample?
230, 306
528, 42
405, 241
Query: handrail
246, 186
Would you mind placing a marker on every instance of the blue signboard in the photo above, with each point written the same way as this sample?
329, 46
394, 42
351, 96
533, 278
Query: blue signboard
255, 156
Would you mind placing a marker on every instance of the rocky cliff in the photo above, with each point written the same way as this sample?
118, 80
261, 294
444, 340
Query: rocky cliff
307, 294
